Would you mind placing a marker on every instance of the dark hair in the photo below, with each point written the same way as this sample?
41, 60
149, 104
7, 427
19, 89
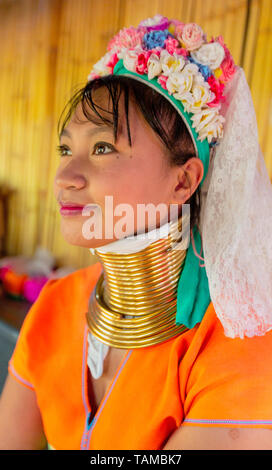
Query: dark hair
158, 112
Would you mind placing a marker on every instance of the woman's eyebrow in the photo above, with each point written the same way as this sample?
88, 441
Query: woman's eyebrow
88, 133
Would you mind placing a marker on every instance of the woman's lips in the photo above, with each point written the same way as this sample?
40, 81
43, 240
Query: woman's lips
71, 210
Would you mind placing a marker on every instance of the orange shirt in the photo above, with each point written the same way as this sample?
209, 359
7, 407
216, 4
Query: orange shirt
200, 378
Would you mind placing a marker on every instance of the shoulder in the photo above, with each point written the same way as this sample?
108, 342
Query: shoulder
64, 297
54, 322
207, 347
79, 283
57, 314
229, 380
65, 293
224, 356
211, 332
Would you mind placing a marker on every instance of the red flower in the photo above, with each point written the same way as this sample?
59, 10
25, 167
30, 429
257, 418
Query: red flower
113, 61
217, 88
162, 81
141, 66
172, 46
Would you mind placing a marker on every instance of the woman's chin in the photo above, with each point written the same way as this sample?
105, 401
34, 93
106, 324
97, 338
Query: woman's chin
76, 239
75, 233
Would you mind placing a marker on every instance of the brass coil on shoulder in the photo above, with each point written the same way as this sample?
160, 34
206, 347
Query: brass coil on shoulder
143, 287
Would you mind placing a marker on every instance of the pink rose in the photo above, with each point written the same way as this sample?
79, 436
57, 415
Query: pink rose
192, 36
217, 88
228, 66
141, 64
162, 81
179, 27
172, 46
127, 38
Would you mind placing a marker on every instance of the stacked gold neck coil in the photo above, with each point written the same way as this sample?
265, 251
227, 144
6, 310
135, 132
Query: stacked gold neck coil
142, 286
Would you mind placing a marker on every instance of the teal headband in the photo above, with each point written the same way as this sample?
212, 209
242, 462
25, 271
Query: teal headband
202, 148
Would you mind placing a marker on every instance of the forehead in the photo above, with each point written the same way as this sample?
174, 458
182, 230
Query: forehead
86, 120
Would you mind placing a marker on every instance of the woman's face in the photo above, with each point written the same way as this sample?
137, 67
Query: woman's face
113, 180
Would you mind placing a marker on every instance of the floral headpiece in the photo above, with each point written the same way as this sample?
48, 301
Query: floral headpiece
178, 61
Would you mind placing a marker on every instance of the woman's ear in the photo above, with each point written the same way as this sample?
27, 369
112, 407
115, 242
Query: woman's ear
188, 178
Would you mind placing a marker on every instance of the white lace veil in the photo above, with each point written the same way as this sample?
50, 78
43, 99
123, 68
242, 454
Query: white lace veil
236, 220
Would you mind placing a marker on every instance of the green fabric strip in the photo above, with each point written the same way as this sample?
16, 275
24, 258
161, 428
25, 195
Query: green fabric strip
193, 294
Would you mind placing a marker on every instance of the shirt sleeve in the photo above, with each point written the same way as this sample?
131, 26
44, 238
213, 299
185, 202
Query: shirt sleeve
24, 358
230, 381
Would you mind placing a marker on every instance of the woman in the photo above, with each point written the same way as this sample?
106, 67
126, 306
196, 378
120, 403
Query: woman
150, 348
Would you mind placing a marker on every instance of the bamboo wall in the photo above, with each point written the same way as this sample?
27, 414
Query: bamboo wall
47, 49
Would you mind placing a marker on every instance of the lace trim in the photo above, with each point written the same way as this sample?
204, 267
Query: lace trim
237, 221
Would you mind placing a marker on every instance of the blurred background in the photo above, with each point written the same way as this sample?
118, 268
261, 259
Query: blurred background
47, 50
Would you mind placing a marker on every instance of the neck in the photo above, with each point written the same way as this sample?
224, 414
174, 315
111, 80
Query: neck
134, 302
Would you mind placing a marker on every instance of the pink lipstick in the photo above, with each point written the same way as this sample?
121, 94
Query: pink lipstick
70, 209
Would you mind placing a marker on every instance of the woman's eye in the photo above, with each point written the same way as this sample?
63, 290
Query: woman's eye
102, 148
61, 149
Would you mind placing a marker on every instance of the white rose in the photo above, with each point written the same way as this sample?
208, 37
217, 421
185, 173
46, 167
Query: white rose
194, 100
191, 69
130, 59
100, 68
187, 100
171, 63
201, 95
179, 83
211, 54
154, 66
200, 80
208, 123
203, 117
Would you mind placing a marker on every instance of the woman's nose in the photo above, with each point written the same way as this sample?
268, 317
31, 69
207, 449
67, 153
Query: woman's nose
68, 178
